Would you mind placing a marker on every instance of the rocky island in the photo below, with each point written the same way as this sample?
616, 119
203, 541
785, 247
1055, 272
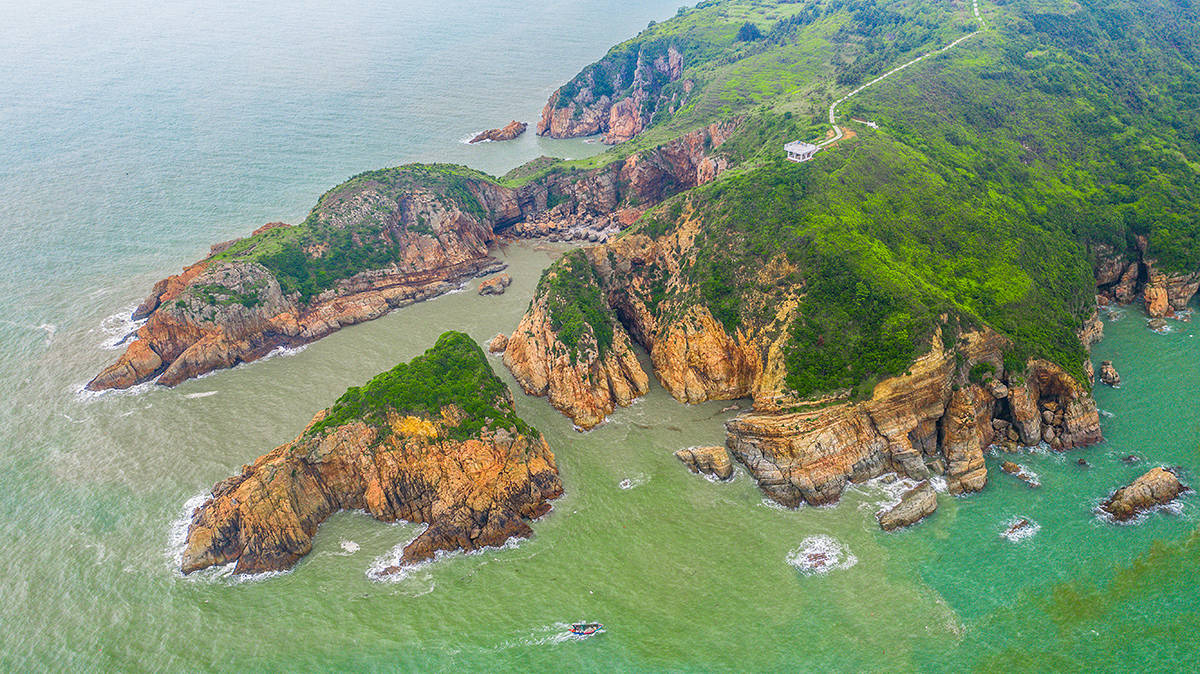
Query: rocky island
433, 441
509, 132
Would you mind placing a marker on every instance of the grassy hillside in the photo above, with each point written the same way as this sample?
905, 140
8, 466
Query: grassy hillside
454, 372
358, 226
995, 166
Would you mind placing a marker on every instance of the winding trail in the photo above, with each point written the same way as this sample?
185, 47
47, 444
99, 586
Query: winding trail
833, 108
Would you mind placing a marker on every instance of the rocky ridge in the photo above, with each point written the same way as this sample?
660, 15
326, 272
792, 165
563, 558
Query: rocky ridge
473, 491
617, 102
229, 308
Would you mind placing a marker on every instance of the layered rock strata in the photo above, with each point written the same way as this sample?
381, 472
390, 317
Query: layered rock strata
711, 461
583, 381
1157, 487
915, 505
401, 464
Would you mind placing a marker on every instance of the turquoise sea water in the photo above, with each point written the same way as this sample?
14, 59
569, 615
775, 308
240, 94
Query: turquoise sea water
135, 135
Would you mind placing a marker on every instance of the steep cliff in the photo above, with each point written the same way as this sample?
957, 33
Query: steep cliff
570, 349
434, 441
616, 96
1125, 277
383, 240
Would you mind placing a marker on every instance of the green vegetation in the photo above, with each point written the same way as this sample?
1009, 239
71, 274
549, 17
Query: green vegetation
358, 226
454, 372
220, 295
576, 305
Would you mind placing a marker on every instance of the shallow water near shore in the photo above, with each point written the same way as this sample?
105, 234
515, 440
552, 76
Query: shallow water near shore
121, 176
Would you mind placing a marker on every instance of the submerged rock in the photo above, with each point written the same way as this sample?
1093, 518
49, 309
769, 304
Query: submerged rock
1108, 374
1157, 487
712, 461
1021, 473
495, 285
411, 445
916, 504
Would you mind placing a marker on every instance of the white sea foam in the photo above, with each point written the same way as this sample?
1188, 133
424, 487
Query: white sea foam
177, 542
202, 394
1015, 531
177, 532
119, 328
83, 395
350, 547
821, 554
773, 505
634, 481
50, 329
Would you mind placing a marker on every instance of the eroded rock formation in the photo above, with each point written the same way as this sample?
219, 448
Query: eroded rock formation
583, 380
915, 505
711, 461
229, 308
473, 489
616, 102
1159, 486
1109, 375
1123, 280
495, 285
510, 131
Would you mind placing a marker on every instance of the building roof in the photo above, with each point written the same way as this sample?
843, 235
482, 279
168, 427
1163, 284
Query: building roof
799, 147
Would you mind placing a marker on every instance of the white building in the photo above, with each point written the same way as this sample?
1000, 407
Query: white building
800, 151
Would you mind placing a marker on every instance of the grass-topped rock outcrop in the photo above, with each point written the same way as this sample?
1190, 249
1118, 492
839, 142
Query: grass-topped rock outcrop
434, 441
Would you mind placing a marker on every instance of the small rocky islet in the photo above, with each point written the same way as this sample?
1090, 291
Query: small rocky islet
434, 441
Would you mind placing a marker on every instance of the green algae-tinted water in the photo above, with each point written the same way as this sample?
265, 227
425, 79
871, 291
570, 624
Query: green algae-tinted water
130, 160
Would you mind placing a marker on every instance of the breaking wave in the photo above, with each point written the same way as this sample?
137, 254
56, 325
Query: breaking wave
821, 554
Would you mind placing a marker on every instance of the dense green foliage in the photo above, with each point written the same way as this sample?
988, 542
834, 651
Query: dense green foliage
357, 226
220, 295
576, 305
454, 372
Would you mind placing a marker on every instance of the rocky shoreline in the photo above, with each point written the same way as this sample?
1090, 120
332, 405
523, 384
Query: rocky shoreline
474, 489
442, 242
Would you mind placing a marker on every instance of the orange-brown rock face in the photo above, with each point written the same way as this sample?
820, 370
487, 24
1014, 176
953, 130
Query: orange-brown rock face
473, 493
509, 132
620, 116
1124, 281
388, 449
930, 422
580, 382
190, 331
1157, 487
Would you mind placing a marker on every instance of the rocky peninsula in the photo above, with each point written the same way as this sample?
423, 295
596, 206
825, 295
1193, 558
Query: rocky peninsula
433, 441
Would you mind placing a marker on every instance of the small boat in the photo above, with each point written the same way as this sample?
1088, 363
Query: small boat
585, 629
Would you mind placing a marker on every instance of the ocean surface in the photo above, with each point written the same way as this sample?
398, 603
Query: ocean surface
135, 134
